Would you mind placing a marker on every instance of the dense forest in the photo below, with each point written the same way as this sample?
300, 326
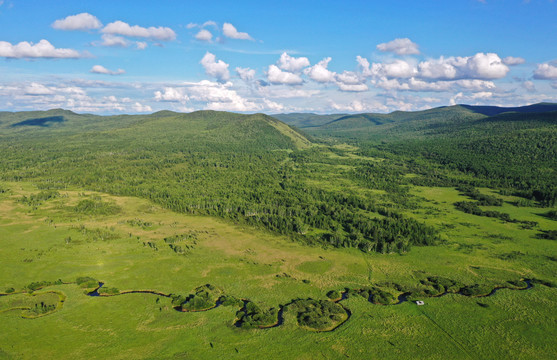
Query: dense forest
256, 170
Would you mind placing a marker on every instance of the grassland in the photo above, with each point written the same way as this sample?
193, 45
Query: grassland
127, 250
217, 235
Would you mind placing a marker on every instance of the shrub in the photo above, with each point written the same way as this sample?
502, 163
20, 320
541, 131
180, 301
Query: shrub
205, 297
318, 314
334, 294
252, 316
109, 291
96, 207
476, 290
87, 282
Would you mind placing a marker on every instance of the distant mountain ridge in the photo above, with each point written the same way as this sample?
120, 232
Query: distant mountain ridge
337, 121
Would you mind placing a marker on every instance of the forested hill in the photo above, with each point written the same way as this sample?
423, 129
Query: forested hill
352, 124
202, 127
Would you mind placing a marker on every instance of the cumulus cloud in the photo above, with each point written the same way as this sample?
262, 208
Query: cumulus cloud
364, 66
230, 31
320, 73
215, 96
277, 76
358, 106
511, 60
172, 94
438, 69
396, 69
38, 89
400, 47
204, 35
42, 49
99, 69
155, 33
141, 108
292, 64
83, 21
281, 92
480, 66
217, 69
246, 74
414, 84
352, 87
350, 81
545, 72
114, 41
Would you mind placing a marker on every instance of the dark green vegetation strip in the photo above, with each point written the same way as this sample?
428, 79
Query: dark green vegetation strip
311, 314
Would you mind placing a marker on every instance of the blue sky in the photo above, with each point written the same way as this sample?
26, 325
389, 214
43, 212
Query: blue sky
113, 57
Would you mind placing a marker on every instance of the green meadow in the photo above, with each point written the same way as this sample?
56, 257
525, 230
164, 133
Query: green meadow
127, 251
215, 235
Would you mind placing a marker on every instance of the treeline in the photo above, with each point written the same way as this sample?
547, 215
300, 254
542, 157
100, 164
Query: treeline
520, 161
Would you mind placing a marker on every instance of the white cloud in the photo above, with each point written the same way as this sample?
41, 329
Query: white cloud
437, 69
217, 69
113, 40
292, 64
172, 94
99, 69
141, 108
364, 66
358, 106
511, 60
206, 23
42, 49
157, 33
141, 45
320, 73
545, 72
204, 35
396, 69
277, 76
220, 96
230, 31
529, 86
83, 21
475, 84
414, 84
348, 77
38, 89
215, 96
287, 92
209, 23
350, 81
486, 66
246, 74
352, 87
400, 46
273, 106
480, 66
482, 95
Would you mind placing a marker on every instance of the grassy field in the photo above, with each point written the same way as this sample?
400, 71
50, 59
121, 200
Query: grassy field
61, 239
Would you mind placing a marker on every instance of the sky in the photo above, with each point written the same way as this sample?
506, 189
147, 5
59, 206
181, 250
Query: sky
349, 56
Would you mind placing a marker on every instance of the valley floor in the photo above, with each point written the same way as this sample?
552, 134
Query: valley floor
141, 246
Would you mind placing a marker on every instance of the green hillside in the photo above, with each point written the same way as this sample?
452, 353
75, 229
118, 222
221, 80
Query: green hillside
303, 120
